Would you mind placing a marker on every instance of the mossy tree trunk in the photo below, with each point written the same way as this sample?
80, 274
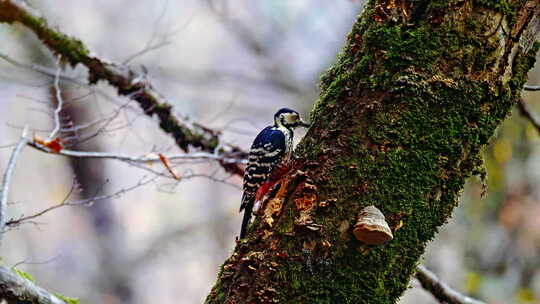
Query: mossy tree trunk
418, 90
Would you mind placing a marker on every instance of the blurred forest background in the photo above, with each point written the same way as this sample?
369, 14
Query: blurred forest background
228, 65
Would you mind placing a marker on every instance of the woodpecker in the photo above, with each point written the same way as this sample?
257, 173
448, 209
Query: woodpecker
270, 149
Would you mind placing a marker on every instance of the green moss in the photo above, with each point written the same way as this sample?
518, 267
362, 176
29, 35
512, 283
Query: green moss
68, 300
24, 275
522, 66
401, 121
29, 277
502, 6
71, 49
425, 134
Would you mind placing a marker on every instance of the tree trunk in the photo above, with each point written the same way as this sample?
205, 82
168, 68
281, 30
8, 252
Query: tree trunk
417, 92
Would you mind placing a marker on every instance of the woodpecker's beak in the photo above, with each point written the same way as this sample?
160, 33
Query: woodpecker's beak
304, 124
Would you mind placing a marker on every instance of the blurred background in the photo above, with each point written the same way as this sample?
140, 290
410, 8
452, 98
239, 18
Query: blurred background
229, 65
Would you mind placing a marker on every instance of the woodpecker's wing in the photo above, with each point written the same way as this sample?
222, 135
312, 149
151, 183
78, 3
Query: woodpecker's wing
265, 154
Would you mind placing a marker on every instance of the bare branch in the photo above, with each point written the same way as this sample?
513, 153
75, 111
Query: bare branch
59, 101
12, 223
125, 80
241, 33
7, 180
15, 289
531, 87
84, 202
40, 69
525, 111
145, 50
141, 159
64, 77
261, 51
440, 290
22, 219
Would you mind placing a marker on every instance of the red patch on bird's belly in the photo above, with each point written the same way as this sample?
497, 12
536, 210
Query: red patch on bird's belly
263, 189
276, 175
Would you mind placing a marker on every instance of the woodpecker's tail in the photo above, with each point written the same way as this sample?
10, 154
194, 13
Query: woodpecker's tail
247, 205
245, 221
247, 199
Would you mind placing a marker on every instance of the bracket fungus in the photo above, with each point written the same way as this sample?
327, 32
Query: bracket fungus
371, 227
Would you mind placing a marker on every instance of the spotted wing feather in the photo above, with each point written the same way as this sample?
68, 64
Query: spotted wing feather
265, 155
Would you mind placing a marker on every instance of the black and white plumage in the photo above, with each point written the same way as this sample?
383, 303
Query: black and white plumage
272, 147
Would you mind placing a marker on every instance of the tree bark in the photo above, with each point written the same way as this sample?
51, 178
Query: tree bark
16, 289
416, 93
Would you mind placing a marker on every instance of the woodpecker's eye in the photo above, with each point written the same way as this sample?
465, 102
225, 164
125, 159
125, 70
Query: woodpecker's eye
291, 118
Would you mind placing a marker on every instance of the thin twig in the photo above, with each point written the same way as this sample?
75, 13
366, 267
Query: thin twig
105, 121
440, 290
186, 134
7, 181
18, 221
525, 111
84, 202
240, 32
16, 289
59, 102
146, 49
140, 159
531, 87
40, 69
15, 222
65, 77
28, 261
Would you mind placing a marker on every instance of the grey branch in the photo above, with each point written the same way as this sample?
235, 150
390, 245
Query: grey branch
525, 111
59, 100
15, 289
440, 290
142, 159
531, 87
187, 134
84, 202
41, 70
139, 161
7, 181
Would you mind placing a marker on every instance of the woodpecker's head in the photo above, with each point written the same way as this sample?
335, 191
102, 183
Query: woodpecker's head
288, 118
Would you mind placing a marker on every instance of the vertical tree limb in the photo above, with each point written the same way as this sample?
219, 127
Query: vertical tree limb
6, 181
